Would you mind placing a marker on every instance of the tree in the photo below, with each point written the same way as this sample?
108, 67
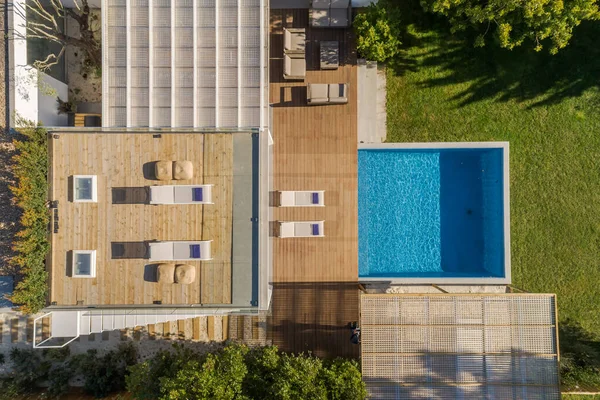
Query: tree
514, 22
220, 376
44, 22
377, 32
237, 372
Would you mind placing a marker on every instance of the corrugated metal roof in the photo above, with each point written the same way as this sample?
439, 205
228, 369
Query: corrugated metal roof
184, 63
454, 346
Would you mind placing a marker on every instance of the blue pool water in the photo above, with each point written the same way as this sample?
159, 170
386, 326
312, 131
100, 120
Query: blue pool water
431, 213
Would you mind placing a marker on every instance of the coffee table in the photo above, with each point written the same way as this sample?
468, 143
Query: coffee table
330, 55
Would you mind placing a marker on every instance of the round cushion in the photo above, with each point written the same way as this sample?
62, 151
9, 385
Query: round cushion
185, 274
165, 273
183, 170
164, 170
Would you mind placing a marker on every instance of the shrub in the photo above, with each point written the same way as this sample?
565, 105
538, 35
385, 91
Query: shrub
58, 379
377, 32
143, 380
31, 193
236, 372
28, 369
104, 374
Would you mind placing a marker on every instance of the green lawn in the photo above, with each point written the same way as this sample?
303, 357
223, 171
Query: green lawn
548, 108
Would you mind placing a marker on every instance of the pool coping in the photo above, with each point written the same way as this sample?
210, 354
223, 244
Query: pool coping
506, 203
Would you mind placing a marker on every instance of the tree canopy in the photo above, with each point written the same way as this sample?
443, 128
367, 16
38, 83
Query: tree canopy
539, 23
238, 372
377, 30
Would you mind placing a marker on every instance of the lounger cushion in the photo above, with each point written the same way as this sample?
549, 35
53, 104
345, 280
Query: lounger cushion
294, 66
183, 170
315, 198
319, 18
338, 17
340, 4
194, 251
165, 273
185, 274
294, 41
315, 229
163, 170
338, 93
321, 4
197, 194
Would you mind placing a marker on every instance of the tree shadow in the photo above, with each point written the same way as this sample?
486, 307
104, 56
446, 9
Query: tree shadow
493, 73
580, 357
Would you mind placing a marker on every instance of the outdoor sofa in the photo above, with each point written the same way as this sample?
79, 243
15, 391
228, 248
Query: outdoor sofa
318, 94
294, 53
330, 13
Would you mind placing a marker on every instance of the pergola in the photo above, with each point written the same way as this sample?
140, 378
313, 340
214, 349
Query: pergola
185, 64
460, 346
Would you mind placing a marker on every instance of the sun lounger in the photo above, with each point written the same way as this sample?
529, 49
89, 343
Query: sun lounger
302, 198
290, 229
181, 194
171, 251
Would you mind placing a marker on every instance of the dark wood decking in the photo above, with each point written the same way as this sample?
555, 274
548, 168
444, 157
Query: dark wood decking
315, 148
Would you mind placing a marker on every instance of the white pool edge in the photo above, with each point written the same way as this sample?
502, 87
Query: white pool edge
507, 279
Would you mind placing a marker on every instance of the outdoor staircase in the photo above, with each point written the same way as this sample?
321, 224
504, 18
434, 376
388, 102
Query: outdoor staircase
248, 329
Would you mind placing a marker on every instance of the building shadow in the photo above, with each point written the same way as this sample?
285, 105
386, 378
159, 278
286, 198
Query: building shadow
315, 317
149, 170
292, 96
151, 273
128, 250
129, 195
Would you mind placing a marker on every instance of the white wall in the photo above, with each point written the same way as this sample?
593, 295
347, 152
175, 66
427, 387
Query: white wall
47, 105
31, 88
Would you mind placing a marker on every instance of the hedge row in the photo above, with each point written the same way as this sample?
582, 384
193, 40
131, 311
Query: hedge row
31, 245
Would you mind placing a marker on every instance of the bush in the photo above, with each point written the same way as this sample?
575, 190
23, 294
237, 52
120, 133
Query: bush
143, 380
105, 374
31, 242
377, 32
237, 372
28, 369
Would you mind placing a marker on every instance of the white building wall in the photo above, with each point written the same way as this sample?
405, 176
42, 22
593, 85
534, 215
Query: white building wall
34, 93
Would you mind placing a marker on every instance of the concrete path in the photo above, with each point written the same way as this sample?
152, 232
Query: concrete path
371, 103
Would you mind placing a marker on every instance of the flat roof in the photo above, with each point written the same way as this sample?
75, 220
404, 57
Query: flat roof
449, 346
121, 223
183, 63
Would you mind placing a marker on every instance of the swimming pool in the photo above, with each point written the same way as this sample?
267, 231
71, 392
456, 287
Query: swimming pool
434, 213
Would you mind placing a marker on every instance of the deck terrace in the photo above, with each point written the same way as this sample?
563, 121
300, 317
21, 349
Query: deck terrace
120, 222
315, 148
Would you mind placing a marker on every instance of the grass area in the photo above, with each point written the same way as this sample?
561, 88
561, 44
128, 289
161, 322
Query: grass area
443, 89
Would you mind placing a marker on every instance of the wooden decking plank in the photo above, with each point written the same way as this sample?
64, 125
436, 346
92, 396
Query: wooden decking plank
211, 328
225, 322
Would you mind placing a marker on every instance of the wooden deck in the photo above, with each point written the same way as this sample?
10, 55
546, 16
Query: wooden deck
315, 148
122, 221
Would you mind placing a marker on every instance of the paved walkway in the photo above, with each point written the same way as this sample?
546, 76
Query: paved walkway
371, 111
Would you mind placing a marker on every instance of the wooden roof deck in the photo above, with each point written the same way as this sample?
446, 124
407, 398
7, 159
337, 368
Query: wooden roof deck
315, 148
121, 163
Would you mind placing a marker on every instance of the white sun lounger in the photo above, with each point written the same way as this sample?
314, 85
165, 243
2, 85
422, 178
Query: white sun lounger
302, 198
168, 251
290, 229
181, 194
